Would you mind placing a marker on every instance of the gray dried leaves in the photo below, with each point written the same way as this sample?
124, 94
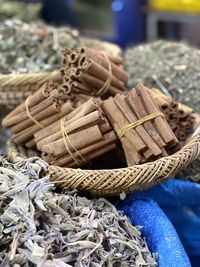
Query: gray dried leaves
175, 64
32, 47
39, 227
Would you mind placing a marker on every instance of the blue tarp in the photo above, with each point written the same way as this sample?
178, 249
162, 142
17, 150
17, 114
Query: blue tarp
160, 234
180, 200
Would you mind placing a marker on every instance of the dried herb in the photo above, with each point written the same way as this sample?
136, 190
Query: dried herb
175, 65
37, 47
23, 11
32, 47
39, 227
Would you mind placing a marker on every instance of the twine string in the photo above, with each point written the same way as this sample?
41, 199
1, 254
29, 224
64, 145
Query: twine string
133, 125
30, 116
107, 83
68, 143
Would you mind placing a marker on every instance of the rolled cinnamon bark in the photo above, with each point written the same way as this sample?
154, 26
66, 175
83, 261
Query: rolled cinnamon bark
30, 131
97, 83
99, 152
81, 111
86, 121
130, 116
79, 140
172, 117
39, 96
100, 72
160, 123
48, 111
9, 122
182, 135
31, 143
139, 110
181, 114
53, 120
118, 120
174, 106
105, 127
81, 98
100, 59
132, 156
116, 59
108, 138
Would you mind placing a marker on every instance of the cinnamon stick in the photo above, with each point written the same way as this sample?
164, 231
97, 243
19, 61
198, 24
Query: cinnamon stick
39, 96
79, 140
130, 116
86, 121
27, 134
118, 120
151, 107
53, 120
108, 138
50, 110
139, 110
12, 120
100, 59
100, 72
98, 83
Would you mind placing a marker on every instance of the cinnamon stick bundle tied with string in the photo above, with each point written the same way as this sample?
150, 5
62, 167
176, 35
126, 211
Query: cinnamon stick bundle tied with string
90, 72
143, 131
44, 107
180, 117
78, 138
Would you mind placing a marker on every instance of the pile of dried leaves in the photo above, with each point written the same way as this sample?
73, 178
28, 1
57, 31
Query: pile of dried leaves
23, 11
32, 47
37, 47
39, 227
173, 65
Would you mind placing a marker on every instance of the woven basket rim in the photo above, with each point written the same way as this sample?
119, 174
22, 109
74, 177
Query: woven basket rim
107, 182
15, 79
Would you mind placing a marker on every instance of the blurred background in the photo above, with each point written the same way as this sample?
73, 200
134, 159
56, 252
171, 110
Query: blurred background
124, 22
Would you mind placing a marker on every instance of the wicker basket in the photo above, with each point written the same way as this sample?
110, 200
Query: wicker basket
15, 88
116, 181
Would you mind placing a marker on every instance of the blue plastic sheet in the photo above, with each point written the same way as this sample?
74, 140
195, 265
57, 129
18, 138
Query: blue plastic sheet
180, 200
160, 235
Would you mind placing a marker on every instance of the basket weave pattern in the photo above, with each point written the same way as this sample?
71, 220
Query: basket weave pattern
15, 88
116, 181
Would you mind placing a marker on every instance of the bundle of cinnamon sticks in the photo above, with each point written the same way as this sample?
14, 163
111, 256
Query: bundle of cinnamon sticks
89, 72
79, 137
180, 117
143, 131
46, 106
